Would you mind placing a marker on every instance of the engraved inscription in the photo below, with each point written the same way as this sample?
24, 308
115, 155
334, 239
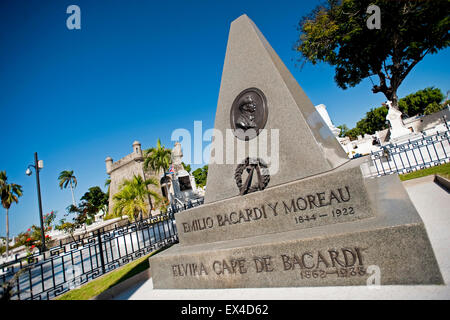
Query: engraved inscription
301, 208
310, 264
335, 213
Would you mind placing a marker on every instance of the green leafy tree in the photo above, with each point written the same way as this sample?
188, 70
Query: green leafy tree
344, 130
68, 228
425, 101
59, 225
375, 120
9, 194
432, 108
130, 200
84, 215
336, 33
354, 133
200, 176
186, 167
157, 158
416, 103
97, 198
67, 178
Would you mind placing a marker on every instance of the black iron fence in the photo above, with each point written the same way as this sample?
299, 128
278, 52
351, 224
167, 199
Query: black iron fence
410, 156
64, 267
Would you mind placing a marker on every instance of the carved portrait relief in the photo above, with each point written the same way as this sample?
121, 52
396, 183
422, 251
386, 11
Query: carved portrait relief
248, 114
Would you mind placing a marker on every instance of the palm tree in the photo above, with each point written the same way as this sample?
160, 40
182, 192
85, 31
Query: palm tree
9, 194
67, 178
107, 184
130, 200
157, 158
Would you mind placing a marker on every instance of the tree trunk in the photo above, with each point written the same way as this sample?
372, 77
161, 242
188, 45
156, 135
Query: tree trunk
7, 234
390, 92
391, 95
395, 102
71, 189
394, 98
149, 198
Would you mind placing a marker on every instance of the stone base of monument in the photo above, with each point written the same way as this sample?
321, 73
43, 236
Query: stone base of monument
389, 248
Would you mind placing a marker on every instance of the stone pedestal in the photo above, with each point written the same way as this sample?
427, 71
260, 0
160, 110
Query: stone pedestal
301, 204
392, 245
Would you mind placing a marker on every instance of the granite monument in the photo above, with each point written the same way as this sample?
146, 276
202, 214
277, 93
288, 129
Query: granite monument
317, 221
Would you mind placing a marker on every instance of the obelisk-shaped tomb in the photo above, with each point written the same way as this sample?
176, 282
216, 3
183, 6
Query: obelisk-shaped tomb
259, 96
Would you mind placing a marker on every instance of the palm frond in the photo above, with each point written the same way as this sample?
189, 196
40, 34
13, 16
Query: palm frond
130, 200
74, 181
65, 177
151, 181
157, 158
10, 193
3, 178
17, 189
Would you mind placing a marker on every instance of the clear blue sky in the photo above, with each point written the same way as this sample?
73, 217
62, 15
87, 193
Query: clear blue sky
136, 70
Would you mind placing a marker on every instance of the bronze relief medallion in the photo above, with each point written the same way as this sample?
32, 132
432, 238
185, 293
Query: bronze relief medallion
248, 114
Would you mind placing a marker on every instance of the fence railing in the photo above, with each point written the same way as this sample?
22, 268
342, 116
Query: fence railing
47, 275
410, 156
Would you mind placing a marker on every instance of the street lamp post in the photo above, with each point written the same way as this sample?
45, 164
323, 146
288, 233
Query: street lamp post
38, 165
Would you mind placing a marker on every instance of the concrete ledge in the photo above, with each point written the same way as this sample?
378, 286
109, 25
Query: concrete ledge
123, 286
439, 180
442, 182
411, 182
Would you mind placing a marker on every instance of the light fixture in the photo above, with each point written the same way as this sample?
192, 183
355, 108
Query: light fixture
38, 165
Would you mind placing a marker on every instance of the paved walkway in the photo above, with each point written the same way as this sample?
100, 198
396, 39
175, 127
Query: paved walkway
433, 205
